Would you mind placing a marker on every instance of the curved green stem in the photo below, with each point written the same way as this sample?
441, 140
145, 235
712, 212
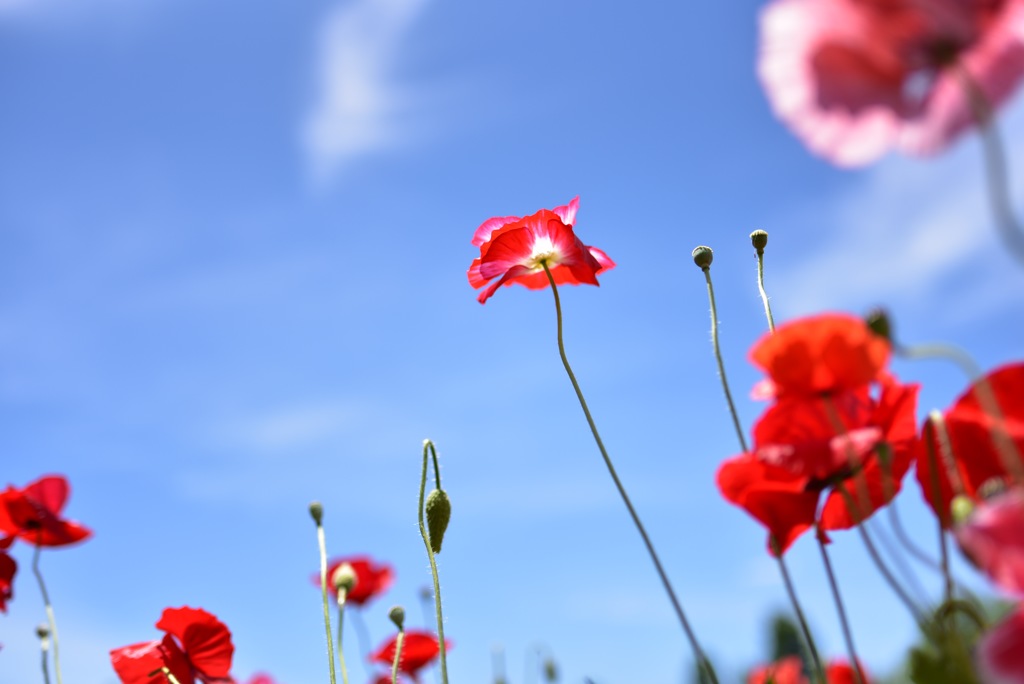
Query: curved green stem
428, 448
812, 647
50, 617
721, 365
761, 290
840, 609
702, 659
398, 655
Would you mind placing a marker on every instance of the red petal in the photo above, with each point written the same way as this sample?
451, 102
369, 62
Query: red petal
205, 640
51, 492
419, 649
7, 569
141, 663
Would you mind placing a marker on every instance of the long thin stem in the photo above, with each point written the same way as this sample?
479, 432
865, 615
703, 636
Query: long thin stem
841, 610
930, 438
702, 659
362, 635
995, 165
721, 365
761, 290
812, 647
322, 542
341, 624
904, 538
398, 655
50, 618
428, 447
44, 647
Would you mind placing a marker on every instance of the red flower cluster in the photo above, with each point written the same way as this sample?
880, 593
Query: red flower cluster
789, 670
196, 644
854, 78
419, 649
372, 578
515, 250
32, 514
839, 424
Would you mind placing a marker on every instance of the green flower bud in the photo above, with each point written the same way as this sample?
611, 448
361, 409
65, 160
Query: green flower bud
962, 507
344, 577
759, 239
439, 512
550, 670
702, 256
316, 509
397, 615
878, 321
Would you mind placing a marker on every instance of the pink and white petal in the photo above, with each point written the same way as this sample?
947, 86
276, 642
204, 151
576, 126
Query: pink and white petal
514, 272
510, 249
605, 262
483, 233
477, 281
568, 213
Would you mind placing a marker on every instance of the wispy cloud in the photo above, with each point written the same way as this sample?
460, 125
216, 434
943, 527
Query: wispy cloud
362, 106
908, 228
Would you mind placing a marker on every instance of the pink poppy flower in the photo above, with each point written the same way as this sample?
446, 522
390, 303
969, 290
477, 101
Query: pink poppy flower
999, 653
992, 536
855, 78
514, 250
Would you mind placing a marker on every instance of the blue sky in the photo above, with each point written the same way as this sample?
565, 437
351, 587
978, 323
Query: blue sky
233, 245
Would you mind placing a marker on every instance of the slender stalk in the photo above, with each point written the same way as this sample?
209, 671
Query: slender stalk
428, 447
906, 541
759, 239
841, 610
342, 595
168, 675
50, 618
702, 659
43, 632
996, 172
362, 635
317, 512
718, 359
907, 575
930, 439
398, 655
812, 647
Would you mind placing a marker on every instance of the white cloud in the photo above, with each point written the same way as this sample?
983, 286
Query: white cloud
910, 227
294, 427
362, 106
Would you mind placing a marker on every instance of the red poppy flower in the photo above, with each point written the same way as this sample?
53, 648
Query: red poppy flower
999, 653
789, 670
513, 250
419, 649
819, 354
197, 644
970, 429
33, 513
7, 569
841, 672
992, 536
854, 78
372, 578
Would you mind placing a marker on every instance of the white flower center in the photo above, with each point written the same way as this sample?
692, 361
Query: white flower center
543, 251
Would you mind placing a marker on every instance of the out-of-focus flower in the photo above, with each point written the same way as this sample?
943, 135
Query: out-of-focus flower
262, 678
515, 250
33, 513
196, 644
372, 578
828, 353
972, 435
992, 536
419, 649
999, 653
789, 670
7, 569
854, 78
841, 672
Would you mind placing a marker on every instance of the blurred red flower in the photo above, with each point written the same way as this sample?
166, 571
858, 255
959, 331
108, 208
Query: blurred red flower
196, 644
841, 672
999, 653
805, 446
992, 536
971, 434
789, 670
419, 649
372, 578
854, 78
33, 513
514, 249
7, 569
818, 354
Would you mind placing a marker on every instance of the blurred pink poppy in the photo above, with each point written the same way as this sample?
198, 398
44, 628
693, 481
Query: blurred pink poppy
992, 536
855, 78
999, 653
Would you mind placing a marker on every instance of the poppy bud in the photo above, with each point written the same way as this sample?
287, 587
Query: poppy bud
316, 509
759, 239
397, 615
962, 507
344, 577
877, 321
43, 631
439, 512
702, 256
550, 670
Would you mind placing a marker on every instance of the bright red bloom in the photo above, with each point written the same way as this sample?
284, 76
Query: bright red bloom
33, 513
7, 569
372, 578
970, 430
841, 672
854, 78
800, 451
992, 536
789, 670
197, 644
419, 649
513, 250
999, 653
818, 354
